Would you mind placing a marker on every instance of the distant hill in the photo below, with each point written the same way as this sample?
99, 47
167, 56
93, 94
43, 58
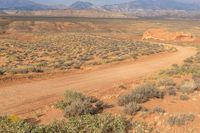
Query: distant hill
2, 13
21, 5
80, 5
68, 13
152, 5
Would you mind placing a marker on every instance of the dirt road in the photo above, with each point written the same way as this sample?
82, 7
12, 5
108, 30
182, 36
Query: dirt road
25, 97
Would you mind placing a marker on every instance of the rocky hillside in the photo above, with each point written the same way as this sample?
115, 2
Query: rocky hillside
81, 5
69, 13
21, 5
152, 5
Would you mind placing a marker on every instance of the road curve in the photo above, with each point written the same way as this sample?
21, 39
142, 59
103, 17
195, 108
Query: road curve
25, 97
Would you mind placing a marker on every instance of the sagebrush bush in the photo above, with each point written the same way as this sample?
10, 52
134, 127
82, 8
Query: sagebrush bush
75, 104
187, 87
158, 110
141, 94
103, 123
180, 119
2, 71
166, 82
132, 108
184, 97
171, 90
143, 127
9, 125
189, 60
196, 78
25, 70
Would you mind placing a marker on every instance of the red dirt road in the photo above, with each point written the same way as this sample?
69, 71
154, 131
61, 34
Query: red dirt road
26, 97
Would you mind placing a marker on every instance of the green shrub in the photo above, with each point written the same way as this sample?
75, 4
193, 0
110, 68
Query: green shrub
143, 127
104, 123
196, 78
171, 90
166, 82
19, 71
9, 125
98, 124
158, 110
75, 103
187, 87
25, 70
184, 97
36, 70
132, 108
2, 71
180, 119
189, 60
141, 94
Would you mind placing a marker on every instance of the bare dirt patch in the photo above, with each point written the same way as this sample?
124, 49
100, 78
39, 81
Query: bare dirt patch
165, 35
2, 60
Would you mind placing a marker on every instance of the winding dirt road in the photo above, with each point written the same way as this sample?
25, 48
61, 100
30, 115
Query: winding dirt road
25, 97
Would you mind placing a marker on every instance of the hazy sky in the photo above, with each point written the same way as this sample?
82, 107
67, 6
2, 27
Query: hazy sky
96, 2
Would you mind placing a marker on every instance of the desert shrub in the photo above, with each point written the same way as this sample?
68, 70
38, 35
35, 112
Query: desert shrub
158, 110
184, 69
2, 71
166, 82
187, 87
19, 71
25, 70
72, 50
180, 119
141, 94
143, 127
171, 90
75, 103
169, 72
10, 125
196, 78
36, 70
83, 107
132, 108
189, 60
184, 97
103, 123
77, 65
197, 57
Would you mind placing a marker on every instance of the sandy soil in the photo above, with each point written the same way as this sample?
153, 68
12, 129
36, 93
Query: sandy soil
26, 97
2, 60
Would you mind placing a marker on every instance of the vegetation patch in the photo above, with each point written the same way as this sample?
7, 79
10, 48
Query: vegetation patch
132, 108
184, 97
65, 51
166, 82
141, 94
2, 71
187, 87
158, 110
143, 127
180, 119
191, 66
76, 104
104, 123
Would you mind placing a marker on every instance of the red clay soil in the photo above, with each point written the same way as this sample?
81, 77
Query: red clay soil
165, 35
25, 97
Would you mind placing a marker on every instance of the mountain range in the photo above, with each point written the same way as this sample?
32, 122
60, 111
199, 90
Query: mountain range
80, 5
152, 5
123, 7
22, 5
